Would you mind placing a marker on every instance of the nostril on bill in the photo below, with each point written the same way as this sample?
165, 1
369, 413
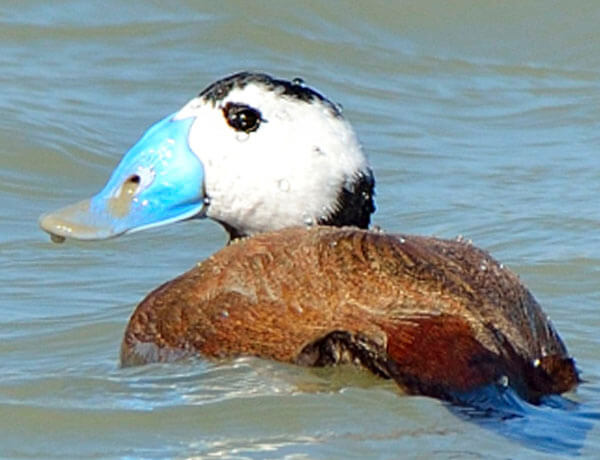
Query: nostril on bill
132, 183
120, 204
130, 186
135, 179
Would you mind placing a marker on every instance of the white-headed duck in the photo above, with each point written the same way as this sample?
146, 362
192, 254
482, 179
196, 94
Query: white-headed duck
303, 280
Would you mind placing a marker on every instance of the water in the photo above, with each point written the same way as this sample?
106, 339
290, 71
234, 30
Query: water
480, 118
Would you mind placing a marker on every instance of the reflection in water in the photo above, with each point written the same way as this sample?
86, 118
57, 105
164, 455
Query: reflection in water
557, 426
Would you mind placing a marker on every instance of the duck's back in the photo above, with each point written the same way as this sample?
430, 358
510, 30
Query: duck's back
438, 316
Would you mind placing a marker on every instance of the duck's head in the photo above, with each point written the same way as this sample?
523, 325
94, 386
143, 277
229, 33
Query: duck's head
251, 152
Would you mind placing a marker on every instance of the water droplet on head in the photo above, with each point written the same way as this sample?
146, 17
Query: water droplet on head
324, 215
298, 81
242, 137
206, 200
319, 152
308, 220
283, 185
350, 183
283, 114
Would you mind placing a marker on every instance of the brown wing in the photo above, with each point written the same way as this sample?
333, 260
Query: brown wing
436, 315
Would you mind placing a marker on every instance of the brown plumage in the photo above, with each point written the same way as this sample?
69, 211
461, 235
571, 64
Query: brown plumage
438, 316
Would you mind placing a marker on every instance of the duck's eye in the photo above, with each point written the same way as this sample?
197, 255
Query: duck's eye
242, 117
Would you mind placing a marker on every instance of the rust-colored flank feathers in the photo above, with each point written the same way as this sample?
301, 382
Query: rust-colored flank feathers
440, 317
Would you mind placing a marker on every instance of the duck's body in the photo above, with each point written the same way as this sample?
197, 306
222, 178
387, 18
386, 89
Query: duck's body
440, 317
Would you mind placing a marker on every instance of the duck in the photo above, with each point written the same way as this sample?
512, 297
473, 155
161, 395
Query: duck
303, 279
